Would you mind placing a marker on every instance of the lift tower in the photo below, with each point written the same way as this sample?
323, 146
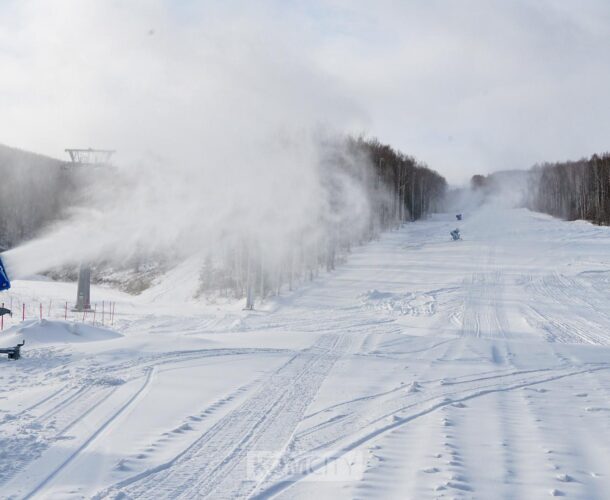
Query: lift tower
81, 161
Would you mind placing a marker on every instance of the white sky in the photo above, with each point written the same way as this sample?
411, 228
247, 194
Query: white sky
467, 86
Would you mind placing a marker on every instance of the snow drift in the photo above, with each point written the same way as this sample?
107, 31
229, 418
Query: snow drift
56, 332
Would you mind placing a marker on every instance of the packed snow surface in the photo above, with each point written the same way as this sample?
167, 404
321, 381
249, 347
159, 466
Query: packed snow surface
421, 368
55, 332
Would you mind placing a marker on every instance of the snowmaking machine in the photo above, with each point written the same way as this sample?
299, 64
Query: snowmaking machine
15, 351
5, 283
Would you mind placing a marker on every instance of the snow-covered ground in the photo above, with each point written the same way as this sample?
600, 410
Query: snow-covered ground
422, 368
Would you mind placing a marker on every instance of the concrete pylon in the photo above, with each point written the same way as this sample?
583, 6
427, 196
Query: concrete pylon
81, 163
83, 294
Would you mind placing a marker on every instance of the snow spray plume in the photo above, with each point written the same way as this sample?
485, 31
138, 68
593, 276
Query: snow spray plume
509, 189
294, 192
219, 136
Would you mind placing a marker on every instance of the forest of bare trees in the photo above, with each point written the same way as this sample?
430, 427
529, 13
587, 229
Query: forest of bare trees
570, 190
34, 190
573, 190
415, 189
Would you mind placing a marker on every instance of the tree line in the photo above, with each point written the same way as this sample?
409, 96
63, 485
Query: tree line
573, 190
34, 191
415, 189
570, 190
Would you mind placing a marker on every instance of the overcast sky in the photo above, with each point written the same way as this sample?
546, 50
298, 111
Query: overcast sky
466, 86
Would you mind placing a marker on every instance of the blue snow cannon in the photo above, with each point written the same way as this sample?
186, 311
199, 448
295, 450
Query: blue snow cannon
5, 283
455, 234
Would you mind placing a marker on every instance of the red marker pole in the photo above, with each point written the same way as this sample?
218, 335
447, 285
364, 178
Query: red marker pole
66, 312
23, 312
41, 310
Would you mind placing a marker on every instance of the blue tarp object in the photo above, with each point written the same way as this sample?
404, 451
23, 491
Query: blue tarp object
5, 283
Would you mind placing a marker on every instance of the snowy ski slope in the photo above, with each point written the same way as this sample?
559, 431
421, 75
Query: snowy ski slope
422, 368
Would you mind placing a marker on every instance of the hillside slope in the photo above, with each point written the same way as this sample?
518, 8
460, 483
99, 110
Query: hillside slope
421, 368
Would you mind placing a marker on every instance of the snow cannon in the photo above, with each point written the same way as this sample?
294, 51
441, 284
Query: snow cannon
458, 216
5, 283
455, 234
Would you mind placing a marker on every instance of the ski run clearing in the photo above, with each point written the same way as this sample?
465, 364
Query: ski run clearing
420, 368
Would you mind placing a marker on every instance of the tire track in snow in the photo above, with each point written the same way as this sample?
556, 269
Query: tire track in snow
483, 308
133, 367
54, 415
54, 423
215, 465
355, 417
45, 482
567, 331
279, 483
44, 400
563, 319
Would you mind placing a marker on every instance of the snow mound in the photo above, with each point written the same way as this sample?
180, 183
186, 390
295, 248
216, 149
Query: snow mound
107, 381
178, 285
414, 387
412, 304
375, 295
56, 332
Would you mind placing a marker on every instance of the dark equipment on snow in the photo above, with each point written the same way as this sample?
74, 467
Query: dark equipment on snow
455, 234
5, 283
4, 311
458, 216
13, 352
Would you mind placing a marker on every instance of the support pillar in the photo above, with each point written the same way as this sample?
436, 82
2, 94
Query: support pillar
83, 294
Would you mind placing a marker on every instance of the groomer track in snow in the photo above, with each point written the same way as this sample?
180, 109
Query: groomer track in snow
478, 368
